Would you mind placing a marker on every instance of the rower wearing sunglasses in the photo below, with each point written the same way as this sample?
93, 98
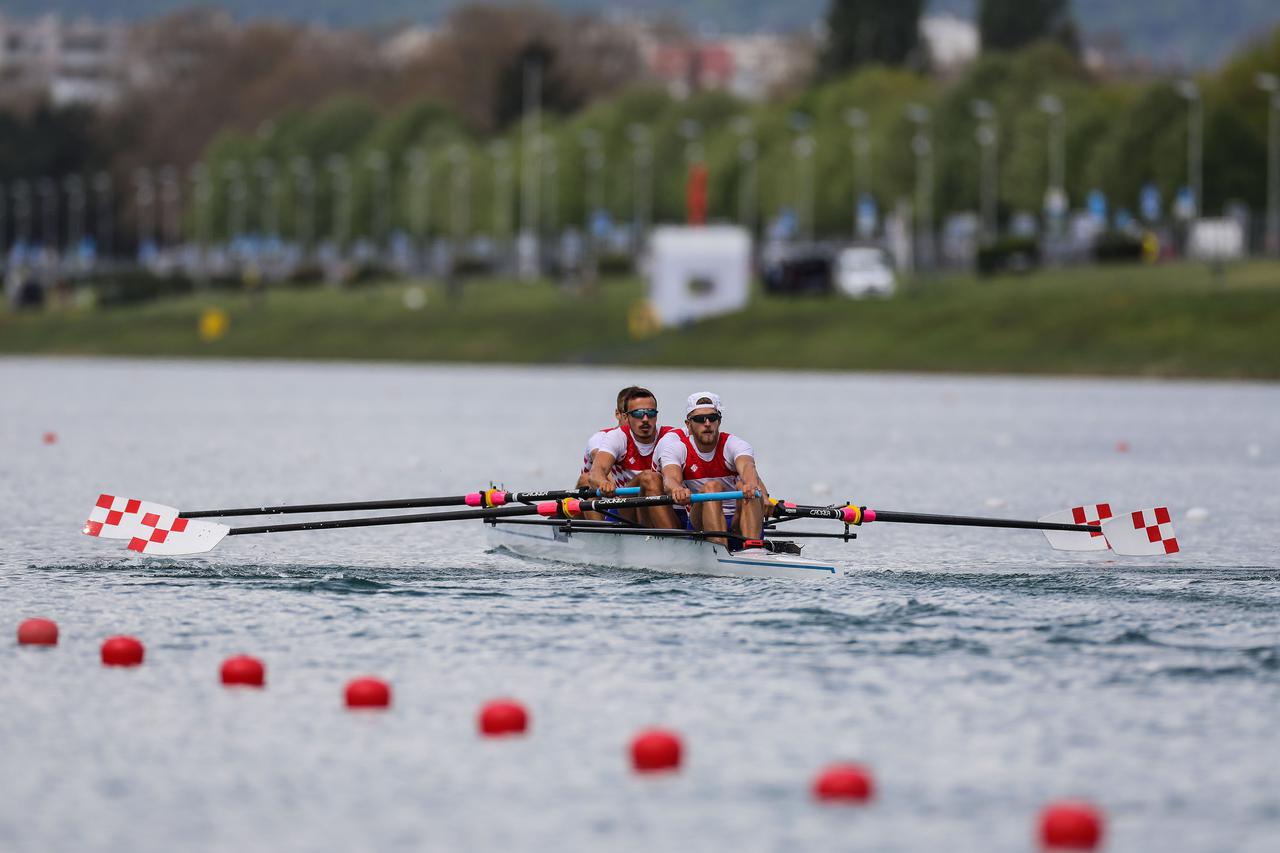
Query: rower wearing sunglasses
623, 455
701, 458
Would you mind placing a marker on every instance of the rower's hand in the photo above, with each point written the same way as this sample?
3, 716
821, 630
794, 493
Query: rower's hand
752, 488
609, 489
682, 496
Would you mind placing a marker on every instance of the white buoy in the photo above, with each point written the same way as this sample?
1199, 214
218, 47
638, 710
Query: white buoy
1197, 513
820, 488
996, 503
1003, 439
1254, 451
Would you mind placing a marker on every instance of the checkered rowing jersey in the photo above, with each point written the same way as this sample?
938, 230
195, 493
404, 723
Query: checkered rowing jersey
698, 470
629, 457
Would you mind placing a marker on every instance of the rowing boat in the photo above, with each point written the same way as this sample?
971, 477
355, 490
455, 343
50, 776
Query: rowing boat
563, 532
625, 550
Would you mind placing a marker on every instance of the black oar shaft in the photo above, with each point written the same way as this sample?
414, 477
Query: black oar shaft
589, 505
378, 521
408, 503
405, 503
971, 521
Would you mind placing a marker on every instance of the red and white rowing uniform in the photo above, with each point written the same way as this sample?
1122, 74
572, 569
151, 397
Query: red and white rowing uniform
630, 457
699, 469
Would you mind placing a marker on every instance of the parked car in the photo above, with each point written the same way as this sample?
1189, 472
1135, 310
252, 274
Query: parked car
798, 269
864, 271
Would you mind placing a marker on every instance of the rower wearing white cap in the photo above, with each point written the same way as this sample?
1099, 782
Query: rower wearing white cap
701, 458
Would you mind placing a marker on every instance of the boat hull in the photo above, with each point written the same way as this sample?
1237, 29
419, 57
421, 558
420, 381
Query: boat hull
652, 553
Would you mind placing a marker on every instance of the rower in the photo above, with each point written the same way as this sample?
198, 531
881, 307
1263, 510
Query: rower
701, 458
623, 456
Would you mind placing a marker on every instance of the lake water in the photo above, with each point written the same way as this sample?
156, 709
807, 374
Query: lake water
977, 672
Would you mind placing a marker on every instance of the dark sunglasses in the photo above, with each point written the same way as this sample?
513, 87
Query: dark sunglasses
643, 413
713, 418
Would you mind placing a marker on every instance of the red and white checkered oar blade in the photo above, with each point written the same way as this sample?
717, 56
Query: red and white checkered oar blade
1142, 533
1071, 540
115, 517
183, 537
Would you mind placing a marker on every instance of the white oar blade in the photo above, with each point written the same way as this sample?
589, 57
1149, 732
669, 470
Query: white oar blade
1078, 540
114, 517
1142, 533
181, 537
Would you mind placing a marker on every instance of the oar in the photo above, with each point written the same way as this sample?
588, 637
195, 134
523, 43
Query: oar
116, 517
1084, 528
184, 536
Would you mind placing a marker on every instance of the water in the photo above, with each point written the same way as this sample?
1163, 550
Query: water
977, 672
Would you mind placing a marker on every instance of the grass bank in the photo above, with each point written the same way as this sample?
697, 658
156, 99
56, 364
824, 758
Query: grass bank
1169, 320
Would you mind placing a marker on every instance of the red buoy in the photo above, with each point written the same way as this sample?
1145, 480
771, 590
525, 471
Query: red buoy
122, 651
368, 692
1070, 826
50, 438
38, 632
655, 750
243, 670
845, 783
503, 717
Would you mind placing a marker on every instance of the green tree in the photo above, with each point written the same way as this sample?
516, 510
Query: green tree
870, 31
1011, 24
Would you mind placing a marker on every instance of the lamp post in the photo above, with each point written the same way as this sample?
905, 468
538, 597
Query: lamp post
593, 168
749, 156
233, 172
500, 152
144, 204
1055, 195
1270, 83
641, 183
527, 250
340, 181
860, 146
21, 191
802, 149
202, 194
460, 195
376, 163
1195, 144
548, 153
922, 147
104, 231
170, 206
304, 201
48, 191
988, 136
419, 193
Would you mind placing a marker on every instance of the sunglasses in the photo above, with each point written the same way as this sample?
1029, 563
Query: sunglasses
713, 418
643, 413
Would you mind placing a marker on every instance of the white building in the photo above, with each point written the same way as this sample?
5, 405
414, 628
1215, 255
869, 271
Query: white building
953, 42
72, 62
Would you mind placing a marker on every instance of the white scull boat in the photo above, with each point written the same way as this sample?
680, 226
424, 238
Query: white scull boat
597, 547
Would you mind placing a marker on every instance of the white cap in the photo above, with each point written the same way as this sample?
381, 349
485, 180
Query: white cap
705, 396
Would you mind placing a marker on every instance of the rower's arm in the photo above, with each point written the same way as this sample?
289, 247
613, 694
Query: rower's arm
673, 483
601, 466
749, 477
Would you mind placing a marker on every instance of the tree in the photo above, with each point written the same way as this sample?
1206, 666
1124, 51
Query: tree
865, 31
1011, 24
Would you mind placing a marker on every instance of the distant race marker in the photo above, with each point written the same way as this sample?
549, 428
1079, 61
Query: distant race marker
38, 632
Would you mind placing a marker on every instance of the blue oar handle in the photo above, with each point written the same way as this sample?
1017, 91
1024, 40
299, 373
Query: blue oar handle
715, 496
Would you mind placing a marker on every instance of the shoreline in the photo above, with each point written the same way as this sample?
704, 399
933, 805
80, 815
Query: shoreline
1171, 321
